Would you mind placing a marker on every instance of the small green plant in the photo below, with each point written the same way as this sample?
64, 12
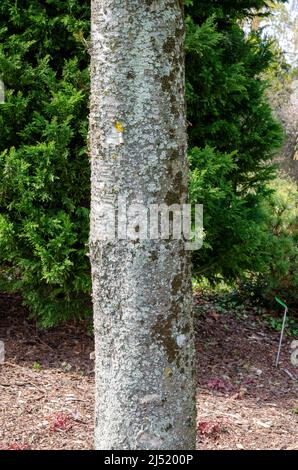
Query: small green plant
291, 325
36, 366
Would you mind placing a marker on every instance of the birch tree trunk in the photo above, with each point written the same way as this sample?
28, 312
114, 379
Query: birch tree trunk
145, 384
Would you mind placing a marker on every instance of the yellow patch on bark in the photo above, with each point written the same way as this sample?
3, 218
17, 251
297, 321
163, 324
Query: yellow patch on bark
118, 126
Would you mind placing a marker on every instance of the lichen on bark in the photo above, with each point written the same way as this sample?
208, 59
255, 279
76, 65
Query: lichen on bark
141, 288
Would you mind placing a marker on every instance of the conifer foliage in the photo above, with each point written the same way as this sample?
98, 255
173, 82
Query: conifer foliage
44, 168
232, 135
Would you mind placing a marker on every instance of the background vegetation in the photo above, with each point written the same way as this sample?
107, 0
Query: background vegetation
250, 214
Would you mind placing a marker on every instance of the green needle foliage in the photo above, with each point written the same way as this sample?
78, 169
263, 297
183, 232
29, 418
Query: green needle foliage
232, 135
44, 168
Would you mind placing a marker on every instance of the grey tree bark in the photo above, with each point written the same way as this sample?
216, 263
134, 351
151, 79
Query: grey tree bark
144, 340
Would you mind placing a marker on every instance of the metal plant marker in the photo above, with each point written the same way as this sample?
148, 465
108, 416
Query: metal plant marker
2, 92
282, 329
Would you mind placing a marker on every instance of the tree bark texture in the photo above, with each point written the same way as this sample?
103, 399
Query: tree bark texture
144, 341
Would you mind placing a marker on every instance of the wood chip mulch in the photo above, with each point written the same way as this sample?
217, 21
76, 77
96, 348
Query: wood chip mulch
244, 401
47, 384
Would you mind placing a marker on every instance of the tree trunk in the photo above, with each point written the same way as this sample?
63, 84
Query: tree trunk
144, 342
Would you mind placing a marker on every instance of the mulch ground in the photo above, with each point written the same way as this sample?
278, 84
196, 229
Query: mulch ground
47, 384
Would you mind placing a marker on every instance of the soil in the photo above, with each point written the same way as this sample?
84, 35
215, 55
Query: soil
47, 383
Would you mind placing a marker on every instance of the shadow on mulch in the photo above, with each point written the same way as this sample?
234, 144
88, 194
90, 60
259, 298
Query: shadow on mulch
68, 347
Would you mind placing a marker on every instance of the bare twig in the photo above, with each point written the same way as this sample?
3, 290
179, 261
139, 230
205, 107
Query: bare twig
289, 374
